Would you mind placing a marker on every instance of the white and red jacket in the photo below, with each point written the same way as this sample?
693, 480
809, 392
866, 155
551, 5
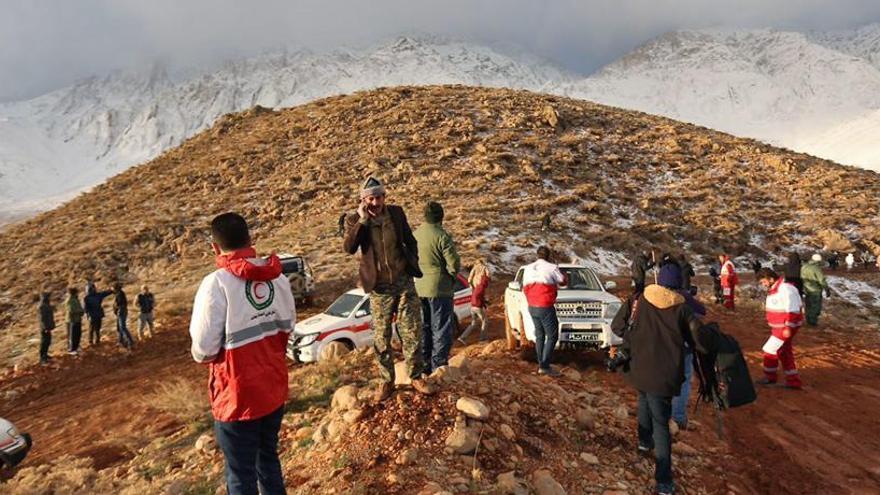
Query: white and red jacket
784, 309
728, 273
242, 316
541, 281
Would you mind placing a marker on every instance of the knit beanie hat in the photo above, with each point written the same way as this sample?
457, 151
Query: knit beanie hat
670, 276
433, 212
817, 257
372, 187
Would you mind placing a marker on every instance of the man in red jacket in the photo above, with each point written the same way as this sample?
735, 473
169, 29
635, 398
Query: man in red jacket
242, 316
729, 280
785, 318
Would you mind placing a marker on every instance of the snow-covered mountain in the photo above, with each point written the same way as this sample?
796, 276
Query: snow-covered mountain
785, 88
73, 138
813, 92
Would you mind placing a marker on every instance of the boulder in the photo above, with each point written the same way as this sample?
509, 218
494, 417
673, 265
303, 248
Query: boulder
585, 418
682, 448
544, 483
408, 456
462, 440
571, 374
508, 484
473, 408
590, 459
345, 398
333, 351
206, 443
353, 415
460, 361
507, 432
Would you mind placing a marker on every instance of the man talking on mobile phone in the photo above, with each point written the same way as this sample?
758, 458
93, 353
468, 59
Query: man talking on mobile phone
388, 262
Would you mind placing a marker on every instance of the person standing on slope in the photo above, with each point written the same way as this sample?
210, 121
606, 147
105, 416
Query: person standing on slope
729, 280
640, 265
814, 284
541, 281
792, 272
94, 308
146, 302
785, 317
850, 262
74, 320
46, 313
439, 263
389, 259
243, 314
478, 280
120, 309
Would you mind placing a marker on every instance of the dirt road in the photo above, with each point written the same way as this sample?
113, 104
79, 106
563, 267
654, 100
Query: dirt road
96, 405
823, 439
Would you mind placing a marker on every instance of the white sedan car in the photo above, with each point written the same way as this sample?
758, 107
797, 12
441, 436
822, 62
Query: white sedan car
348, 321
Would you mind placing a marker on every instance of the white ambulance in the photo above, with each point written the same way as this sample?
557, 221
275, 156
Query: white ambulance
349, 321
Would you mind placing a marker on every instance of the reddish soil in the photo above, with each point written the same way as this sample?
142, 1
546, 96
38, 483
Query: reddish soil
822, 439
95, 405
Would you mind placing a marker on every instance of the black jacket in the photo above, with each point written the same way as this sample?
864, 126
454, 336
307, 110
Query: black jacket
687, 271
120, 303
357, 236
663, 324
47, 315
792, 270
640, 265
146, 302
92, 303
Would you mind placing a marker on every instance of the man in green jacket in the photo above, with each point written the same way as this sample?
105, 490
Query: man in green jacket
75, 314
439, 263
814, 283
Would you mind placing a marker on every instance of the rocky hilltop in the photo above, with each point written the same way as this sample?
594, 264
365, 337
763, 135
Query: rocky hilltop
499, 160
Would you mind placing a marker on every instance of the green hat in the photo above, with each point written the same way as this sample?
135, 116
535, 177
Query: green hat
433, 212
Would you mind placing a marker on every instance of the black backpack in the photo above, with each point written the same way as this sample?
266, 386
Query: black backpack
723, 372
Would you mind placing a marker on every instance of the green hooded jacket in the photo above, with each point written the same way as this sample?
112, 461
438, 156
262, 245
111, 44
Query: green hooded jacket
438, 261
814, 279
74, 310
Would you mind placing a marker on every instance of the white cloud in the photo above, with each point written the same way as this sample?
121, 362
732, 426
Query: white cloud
46, 44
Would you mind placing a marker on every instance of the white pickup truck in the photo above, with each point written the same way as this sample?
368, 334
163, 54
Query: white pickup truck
348, 322
584, 308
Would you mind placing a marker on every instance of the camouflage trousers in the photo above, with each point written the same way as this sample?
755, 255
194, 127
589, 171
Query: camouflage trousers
400, 300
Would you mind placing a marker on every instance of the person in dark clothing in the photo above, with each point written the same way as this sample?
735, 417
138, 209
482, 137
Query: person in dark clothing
714, 272
834, 261
95, 312
545, 222
120, 309
74, 320
145, 302
670, 277
657, 337
792, 272
756, 266
687, 271
47, 324
640, 265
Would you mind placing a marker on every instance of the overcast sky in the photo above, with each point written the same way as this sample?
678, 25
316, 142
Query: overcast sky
47, 44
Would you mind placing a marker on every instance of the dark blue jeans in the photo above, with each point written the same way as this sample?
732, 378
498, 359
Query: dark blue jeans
653, 416
436, 331
546, 333
122, 329
251, 452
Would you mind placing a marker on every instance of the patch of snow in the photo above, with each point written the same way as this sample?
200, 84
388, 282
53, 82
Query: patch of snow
853, 291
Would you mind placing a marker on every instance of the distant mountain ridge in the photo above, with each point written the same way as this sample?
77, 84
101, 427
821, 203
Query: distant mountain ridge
813, 92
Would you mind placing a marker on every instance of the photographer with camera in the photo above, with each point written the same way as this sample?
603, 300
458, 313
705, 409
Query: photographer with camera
656, 326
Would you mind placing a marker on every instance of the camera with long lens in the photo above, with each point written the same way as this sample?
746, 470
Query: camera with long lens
620, 360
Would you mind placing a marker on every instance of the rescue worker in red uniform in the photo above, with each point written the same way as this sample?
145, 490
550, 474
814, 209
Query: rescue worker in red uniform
729, 280
785, 317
